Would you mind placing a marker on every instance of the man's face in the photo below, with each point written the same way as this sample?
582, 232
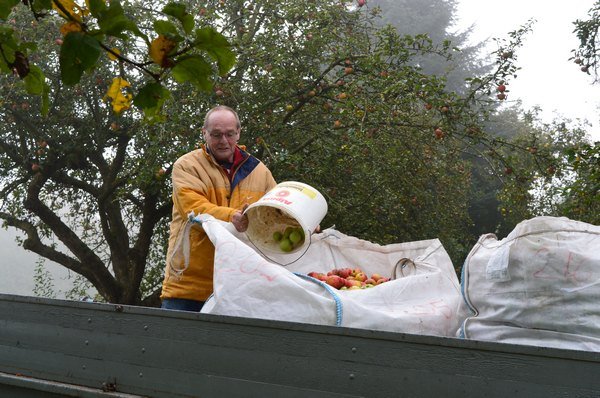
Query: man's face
221, 135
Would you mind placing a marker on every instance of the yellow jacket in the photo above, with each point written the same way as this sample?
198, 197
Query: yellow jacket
202, 186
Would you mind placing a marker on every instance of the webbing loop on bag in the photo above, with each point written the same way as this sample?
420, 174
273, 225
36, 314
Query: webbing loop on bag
339, 308
182, 245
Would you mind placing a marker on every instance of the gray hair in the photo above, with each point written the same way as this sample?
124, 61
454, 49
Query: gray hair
221, 108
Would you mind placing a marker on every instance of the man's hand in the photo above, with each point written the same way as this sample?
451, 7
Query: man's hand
240, 220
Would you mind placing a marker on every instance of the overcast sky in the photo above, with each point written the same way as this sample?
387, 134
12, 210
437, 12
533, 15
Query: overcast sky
547, 77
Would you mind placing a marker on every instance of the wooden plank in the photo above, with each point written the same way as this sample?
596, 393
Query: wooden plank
15, 386
161, 353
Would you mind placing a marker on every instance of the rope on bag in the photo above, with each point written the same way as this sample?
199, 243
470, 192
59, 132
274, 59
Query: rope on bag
339, 307
182, 248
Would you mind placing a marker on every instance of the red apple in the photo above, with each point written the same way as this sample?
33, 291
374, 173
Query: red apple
439, 133
362, 2
345, 272
501, 88
335, 281
352, 282
361, 276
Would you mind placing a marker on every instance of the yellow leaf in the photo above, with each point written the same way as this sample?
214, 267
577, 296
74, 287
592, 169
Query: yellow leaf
70, 26
119, 98
159, 49
112, 56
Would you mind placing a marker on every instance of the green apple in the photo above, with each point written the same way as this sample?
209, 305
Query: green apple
295, 236
277, 236
287, 232
286, 245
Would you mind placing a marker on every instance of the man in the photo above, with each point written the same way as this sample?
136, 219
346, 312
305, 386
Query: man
219, 179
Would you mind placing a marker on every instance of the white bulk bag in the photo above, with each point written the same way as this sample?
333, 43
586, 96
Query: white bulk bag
538, 286
424, 299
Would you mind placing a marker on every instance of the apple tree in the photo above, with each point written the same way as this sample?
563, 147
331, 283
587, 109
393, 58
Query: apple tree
329, 98
80, 178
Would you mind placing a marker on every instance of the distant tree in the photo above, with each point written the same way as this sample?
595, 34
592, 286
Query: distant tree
437, 19
587, 55
568, 185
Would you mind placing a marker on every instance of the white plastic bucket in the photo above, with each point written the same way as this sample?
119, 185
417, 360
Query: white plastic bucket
290, 204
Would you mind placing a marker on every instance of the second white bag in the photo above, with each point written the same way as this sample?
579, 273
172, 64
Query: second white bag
538, 286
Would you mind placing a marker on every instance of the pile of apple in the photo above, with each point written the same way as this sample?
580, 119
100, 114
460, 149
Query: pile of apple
349, 278
289, 239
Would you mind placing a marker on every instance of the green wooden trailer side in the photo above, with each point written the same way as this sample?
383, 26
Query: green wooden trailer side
57, 348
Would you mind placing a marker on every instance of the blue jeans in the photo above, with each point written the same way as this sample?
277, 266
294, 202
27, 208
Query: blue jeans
182, 304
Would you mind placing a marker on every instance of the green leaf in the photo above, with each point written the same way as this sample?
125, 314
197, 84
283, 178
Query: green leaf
165, 28
97, 7
151, 99
188, 23
178, 11
151, 95
27, 47
193, 69
217, 46
41, 5
78, 53
35, 80
9, 46
113, 22
6, 7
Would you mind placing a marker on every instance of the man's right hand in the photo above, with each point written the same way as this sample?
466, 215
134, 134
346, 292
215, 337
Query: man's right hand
240, 220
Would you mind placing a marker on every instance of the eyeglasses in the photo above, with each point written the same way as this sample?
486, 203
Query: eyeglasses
229, 135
